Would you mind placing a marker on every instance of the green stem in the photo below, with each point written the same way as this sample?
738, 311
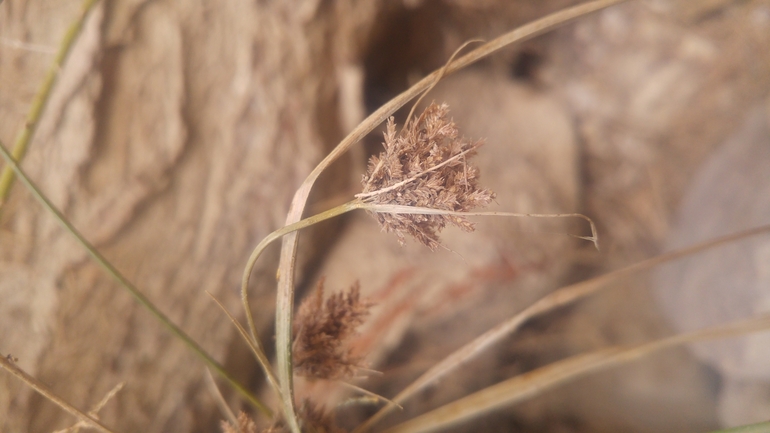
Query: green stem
138, 295
41, 99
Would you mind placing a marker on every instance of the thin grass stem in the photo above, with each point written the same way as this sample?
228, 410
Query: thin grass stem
41, 98
400, 209
534, 382
126, 284
38, 386
285, 393
556, 299
258, 352
763, 427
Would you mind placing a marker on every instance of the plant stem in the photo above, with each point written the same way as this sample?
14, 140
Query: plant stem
532, 383
284, 306
10, 366
763, 427
125, 283
41, 99
550, 302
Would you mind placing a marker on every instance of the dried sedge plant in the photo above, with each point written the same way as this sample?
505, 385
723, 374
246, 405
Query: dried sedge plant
425, 165
322, 332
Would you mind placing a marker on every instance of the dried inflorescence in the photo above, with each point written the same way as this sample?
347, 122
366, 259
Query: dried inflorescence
425, 165
312, 418
245, 425
322, 331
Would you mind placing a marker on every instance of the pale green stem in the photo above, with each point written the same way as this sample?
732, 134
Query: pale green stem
123, 281
41, 99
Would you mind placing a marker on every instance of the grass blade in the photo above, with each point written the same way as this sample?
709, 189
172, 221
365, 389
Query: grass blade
763, 427
8, 365
556, 299
255, 347
532, 383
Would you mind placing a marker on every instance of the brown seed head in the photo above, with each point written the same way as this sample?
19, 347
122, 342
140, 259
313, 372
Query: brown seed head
322, 331
425, 165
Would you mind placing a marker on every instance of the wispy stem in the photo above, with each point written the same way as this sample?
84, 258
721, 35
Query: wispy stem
550, 302
41, 98
126, 284
531, 383
10, 366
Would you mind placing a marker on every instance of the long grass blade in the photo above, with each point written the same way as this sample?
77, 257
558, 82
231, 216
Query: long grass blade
126, 284
530, 384
285, 297
556, 299
255, 348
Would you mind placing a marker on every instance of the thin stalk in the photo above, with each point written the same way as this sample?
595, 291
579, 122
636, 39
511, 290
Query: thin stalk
532, 383
10, 366
125, 283
283, 231
400, 209
285, 393
285, 298
550, 302
41, 98
258, 352
763, 427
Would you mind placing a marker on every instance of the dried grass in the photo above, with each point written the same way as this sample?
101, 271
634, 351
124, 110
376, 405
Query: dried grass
426, 165
323, 330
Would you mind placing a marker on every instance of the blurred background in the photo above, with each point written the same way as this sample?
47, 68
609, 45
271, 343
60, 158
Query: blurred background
177, 133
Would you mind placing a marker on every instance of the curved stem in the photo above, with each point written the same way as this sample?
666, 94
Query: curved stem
285, 396
307, 222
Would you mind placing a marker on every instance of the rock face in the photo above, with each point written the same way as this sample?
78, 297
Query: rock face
178, 132
174, 140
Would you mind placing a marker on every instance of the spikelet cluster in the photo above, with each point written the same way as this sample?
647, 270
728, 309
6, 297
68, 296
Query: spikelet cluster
322, 332
312, 418
425, 165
